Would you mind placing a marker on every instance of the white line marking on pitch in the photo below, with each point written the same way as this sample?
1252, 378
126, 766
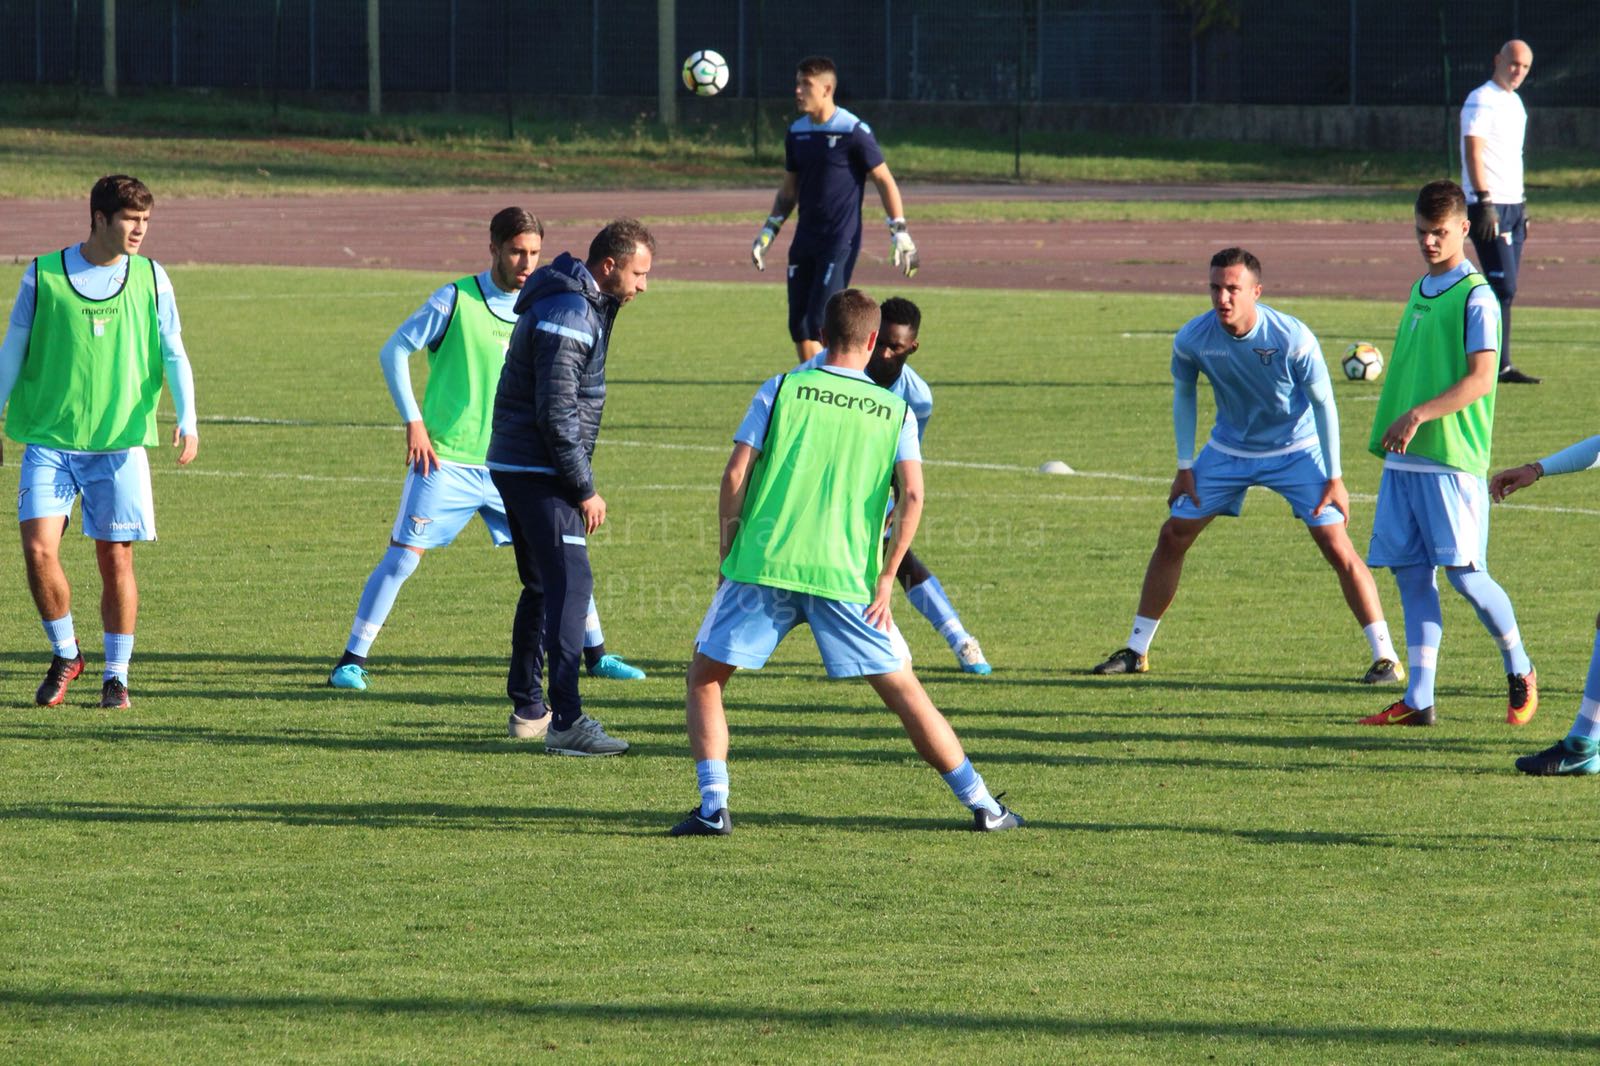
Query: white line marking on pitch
719, 449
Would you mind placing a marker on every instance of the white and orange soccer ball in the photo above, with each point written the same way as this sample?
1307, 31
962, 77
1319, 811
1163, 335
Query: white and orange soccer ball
705, 73
1362, 362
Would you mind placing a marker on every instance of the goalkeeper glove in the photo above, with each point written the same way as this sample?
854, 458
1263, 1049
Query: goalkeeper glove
1484, 219
758, 249
903, 251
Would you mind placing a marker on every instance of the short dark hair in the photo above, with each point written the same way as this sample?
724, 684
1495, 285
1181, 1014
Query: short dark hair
901, 312
849, 319
1235, 257
619, 241
118, 192
1439, 200
513, 222
811, 66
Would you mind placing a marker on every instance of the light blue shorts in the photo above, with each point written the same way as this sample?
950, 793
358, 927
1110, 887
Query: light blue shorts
746, 622
117, 502
1430, 519
1221, 479
435, 508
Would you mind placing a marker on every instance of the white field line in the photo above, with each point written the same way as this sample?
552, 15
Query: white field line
720, 449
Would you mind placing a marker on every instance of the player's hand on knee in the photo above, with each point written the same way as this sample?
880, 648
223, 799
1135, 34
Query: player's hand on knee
1484, 220
902, 250
758, 249
1183, 485
1334, 493
188, 445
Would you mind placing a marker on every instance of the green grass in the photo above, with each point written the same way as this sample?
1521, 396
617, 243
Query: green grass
187, 144
1220, 866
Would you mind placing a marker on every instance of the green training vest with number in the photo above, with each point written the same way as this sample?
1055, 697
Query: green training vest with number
91, 378
1429, 356
463, 373
813, 514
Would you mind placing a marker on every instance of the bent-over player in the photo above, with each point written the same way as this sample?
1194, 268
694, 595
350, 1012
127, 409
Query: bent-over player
1276, 427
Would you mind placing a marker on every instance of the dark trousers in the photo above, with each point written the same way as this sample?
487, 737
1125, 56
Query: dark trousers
813, 278
553, 563
1499, 260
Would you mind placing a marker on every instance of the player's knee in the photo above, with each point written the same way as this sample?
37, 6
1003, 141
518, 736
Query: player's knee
1175, 536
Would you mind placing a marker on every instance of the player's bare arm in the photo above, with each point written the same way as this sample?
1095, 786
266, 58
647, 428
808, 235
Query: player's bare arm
730, 497
420, 455
902, 249
1482, 366
907, 516
782, 206
1506, 482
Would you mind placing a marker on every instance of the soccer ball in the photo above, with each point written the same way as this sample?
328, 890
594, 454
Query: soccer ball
705, 73
1362, 362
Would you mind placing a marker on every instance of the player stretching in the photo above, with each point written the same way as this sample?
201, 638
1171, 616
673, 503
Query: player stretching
1432, 430
1579, 751
801, 519
1277, 427
827, 158
93, 332
897, 341
465, 327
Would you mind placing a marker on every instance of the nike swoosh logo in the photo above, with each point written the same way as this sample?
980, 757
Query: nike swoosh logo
708, 822
1569, 767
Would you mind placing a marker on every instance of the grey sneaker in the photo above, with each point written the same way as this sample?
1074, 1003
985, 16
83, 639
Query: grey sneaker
520, 728
1384, 672
584, 737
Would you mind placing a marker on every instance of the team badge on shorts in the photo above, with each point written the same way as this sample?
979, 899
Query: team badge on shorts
419, 525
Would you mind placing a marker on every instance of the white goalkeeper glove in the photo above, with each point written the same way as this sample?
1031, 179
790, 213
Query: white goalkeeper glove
758, 249
903, 251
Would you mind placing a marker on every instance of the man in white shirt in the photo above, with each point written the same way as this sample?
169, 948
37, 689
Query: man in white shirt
1492, 125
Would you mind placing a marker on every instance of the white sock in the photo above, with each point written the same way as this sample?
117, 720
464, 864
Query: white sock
1377, 635
1144, 631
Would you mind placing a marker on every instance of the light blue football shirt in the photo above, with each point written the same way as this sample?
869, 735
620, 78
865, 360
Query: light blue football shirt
1261, 381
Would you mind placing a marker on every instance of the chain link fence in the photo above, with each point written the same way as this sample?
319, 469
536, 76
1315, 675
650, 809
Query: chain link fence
1361, 52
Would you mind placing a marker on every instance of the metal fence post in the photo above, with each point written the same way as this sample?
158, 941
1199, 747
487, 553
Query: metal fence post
1353, 55
108, 48
374, 73
667, 63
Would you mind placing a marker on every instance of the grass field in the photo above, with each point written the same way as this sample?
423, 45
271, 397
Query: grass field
188, 144
1220, 865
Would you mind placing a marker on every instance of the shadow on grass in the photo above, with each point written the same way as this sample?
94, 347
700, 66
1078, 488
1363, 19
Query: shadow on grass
692, 1015
654, 823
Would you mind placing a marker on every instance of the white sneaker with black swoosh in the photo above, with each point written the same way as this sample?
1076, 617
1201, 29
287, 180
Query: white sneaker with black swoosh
984, 822
719, 824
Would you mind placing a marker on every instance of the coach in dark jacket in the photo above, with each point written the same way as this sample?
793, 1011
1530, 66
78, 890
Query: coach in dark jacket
546, 420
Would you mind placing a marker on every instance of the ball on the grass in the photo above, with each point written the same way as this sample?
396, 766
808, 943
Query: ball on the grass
705, 73
1054, 466
1362, 362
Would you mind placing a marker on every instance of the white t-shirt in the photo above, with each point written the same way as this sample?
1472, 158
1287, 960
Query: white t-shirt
1497, 116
